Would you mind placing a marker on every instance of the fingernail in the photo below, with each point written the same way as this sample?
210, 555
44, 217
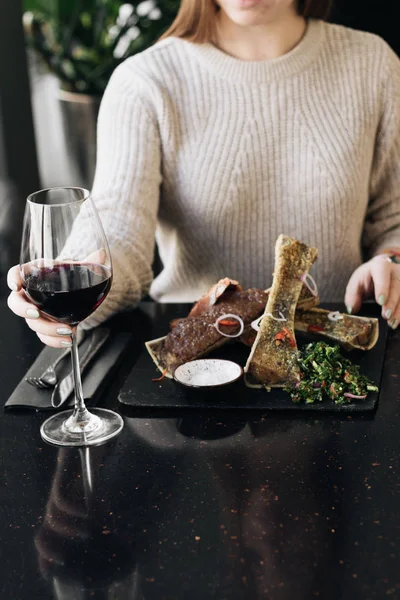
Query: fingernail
13, 286
388, 313
349, 309
381, 300
393, 324
64, 331
32, 313
66, 343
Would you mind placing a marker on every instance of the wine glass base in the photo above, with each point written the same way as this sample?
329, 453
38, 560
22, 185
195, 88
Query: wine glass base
54, 432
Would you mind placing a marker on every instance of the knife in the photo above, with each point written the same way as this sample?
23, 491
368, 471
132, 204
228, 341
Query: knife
63, 389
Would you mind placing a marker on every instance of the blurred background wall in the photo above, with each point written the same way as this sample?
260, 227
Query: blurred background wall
18, 159
376, 16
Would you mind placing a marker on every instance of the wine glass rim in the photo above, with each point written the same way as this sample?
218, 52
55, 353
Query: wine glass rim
86, 195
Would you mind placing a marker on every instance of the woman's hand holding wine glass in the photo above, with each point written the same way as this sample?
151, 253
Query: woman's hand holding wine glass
65, 273
50, 332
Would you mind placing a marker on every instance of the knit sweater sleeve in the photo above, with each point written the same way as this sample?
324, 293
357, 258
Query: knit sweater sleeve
382, 225
126, 188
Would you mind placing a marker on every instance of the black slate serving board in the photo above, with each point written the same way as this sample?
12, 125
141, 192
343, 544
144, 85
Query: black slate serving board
139, 390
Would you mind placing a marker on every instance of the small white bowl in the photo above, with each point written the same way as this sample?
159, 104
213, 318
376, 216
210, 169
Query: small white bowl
208, 373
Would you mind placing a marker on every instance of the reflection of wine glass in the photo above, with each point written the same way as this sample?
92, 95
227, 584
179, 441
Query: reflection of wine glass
79, 551
66, 271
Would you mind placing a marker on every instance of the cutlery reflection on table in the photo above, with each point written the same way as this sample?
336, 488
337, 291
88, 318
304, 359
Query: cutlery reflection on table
65, 386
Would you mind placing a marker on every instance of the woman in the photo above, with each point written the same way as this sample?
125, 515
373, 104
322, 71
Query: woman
250, 118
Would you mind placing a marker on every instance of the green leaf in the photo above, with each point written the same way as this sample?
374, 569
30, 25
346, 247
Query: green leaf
60, 10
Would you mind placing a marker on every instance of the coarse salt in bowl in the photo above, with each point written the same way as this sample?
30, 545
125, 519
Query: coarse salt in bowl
208, 373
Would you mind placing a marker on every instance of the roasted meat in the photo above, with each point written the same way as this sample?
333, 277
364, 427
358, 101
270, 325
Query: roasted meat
193, 337
211, 297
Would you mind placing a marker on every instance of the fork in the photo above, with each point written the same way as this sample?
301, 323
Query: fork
48, 378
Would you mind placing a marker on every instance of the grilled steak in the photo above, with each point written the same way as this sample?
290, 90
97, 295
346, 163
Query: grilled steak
193, 337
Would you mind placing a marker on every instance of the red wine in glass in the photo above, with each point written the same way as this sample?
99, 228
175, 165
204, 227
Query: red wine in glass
66, 271
68, 292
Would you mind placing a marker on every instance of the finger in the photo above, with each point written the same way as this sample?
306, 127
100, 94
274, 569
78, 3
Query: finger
14, 280
390, 306
358, 288
381, 270
99, 257
18, 303
54, 342
394, 319
50, 328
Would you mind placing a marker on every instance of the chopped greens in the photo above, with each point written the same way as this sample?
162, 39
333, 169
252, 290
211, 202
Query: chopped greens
325, 373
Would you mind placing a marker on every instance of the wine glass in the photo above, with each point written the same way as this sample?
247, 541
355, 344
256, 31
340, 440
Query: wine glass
66, 272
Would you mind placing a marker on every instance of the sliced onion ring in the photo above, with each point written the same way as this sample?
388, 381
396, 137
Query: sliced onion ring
231, 316
354, 397
335, 316
256, 323
309, 283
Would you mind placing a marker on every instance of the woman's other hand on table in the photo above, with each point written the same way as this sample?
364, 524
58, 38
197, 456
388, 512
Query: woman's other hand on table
378, 278
49, 332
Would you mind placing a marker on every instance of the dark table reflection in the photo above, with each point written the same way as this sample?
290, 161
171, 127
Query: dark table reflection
258, 502
77, 552
235, 519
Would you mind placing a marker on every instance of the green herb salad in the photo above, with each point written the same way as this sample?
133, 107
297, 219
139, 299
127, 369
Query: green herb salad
326, 374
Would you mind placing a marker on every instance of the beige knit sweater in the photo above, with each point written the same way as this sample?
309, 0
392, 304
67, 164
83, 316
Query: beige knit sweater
217, 156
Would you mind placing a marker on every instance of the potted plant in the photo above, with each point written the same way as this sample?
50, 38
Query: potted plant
82, 42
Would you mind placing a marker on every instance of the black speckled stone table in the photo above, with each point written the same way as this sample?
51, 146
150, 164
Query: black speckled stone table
224, 506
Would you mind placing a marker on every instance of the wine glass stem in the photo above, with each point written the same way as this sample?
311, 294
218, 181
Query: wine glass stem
81, 422
80, 410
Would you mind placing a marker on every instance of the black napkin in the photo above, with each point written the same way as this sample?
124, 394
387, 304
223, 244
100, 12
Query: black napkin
93, 379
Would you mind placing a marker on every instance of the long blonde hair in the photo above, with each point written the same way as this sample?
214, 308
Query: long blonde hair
195, 20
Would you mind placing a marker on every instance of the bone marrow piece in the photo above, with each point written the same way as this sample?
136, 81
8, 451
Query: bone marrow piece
273, 360
351, 332
306, 300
